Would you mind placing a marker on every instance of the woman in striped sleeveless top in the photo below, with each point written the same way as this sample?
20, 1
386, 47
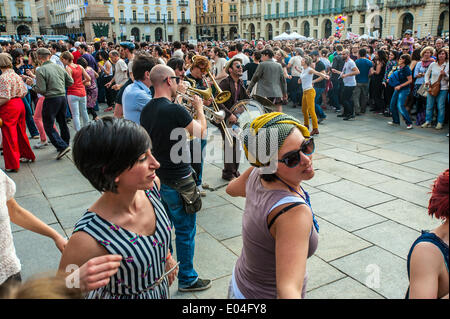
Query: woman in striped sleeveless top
129, 218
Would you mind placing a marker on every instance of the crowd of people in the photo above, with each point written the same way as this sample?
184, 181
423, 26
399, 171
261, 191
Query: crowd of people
129, 157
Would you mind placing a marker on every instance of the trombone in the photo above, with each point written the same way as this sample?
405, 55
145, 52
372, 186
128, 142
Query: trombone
221, 97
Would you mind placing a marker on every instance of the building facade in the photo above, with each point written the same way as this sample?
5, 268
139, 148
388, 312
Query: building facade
62, 17
217, 19
141, 20
153, 20
18, 18
315, 18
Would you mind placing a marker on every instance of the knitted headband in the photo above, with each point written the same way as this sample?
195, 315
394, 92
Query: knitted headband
275, 127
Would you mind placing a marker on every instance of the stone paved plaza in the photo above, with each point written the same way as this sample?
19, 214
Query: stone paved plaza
369, 192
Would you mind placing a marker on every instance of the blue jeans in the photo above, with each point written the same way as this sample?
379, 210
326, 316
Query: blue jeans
440, 99
196, 165
29, 116
185, 229
398, 105
317, 101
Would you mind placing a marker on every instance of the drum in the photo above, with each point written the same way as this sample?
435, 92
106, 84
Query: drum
245, 111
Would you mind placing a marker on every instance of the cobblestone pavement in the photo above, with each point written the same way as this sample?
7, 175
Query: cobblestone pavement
370, 193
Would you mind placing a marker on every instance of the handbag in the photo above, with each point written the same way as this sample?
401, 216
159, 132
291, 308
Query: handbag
435, 88
1, 122
190, 195
422, 91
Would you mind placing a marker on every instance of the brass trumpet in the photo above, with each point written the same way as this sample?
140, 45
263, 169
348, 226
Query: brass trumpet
211, 115
203, 63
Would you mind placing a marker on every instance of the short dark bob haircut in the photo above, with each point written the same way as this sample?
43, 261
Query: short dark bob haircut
105, 148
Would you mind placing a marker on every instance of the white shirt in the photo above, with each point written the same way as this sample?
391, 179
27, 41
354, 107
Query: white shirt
178, 54
245, 60
120, 75
307, 79
55, 59
348, 67
326, 62
9, 263
218, 66
434, 71
161, 61
296, 61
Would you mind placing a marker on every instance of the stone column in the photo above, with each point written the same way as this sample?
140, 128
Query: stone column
96, 12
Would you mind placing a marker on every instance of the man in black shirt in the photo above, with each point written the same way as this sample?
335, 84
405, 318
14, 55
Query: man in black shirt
251, 67
319, 86
335, 92
167, 124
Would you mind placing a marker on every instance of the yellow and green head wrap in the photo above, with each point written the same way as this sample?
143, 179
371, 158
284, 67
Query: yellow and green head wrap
265, 135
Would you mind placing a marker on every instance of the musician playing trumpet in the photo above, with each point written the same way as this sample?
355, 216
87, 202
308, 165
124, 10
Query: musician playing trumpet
233, 84
160, 117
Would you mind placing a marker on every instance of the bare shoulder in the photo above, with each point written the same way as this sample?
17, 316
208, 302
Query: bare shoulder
428, 255
294, 221
80, 248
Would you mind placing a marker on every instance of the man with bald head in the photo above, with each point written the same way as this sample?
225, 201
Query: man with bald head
166, 123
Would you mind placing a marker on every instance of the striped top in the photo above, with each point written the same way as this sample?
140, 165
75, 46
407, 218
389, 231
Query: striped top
143, 257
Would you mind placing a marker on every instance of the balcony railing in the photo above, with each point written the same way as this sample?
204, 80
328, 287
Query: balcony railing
349, 9
106, 1
183, 3
122, 20
170, 21
361, 7
184, 21
21, 19
406, 3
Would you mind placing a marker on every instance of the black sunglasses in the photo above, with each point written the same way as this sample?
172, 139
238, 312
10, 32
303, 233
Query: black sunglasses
238, 66
177, 78
292, 159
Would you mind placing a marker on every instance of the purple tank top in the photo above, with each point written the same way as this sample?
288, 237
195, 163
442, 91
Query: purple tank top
255, 270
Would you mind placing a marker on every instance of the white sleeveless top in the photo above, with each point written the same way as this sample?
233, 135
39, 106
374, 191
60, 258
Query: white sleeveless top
9, 263
307, 79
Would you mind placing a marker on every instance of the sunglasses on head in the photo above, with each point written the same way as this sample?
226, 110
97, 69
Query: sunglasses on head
292, 159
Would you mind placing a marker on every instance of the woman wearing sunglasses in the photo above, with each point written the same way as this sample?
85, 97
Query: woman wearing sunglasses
279, 231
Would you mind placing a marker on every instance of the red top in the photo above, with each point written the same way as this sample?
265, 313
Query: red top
77, 87
232, 54
76, 54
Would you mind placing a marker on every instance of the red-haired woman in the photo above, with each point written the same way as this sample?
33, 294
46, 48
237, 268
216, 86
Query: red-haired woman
16, 147
428, 257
